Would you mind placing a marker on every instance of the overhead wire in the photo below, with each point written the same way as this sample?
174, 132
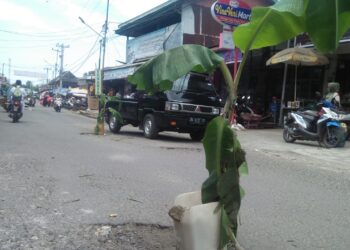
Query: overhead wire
76, 62
76, 69
111, 41
46, 40
91, 52
79, 30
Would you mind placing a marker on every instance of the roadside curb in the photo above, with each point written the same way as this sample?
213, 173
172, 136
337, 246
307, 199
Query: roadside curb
89, 113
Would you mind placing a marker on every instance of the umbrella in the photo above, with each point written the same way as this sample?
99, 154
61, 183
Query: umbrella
298, 56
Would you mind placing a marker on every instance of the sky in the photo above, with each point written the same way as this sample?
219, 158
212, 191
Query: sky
31, 29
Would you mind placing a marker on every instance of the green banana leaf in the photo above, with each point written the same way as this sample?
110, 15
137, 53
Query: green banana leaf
209, 189
226, 233
230, 196
224, 158
223, 152
271, 25
160, 72
326, 22
217, 143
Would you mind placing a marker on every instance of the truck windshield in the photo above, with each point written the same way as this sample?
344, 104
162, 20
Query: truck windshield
197, 84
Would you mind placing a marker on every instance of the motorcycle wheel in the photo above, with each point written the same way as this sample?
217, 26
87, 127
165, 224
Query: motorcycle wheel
287, 136
331, 138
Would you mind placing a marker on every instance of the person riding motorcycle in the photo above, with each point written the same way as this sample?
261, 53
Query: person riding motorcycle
333, 95
18, 92
57, 103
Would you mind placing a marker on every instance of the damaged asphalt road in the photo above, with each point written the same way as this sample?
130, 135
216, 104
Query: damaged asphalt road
61, 187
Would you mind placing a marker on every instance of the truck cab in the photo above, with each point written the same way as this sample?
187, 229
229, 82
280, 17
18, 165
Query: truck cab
186, 108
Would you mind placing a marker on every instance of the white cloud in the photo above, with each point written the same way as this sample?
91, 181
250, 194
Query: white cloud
127, 9
51, 18
22, 16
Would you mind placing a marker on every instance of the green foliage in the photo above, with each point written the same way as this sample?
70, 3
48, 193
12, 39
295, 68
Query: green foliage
223, 152
325, 21
271, 25
209, 188
226, 233
160, 72
224, 158
114, 113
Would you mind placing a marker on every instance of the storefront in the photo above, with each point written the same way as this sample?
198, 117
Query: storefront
115, 78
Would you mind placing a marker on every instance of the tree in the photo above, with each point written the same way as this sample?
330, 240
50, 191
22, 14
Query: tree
29, 84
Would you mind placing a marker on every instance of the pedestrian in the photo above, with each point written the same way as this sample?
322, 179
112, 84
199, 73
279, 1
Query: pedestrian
273, 108
110, 92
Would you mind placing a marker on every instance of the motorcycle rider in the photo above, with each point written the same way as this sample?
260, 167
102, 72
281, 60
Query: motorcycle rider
333, 96
57, 103
18, 91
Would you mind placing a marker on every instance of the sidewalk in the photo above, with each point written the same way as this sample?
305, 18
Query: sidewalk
270, 142
89, 113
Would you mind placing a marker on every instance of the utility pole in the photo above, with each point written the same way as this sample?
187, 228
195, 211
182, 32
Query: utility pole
104, 45
56, 64
100, 72
3, 65
47, 74
61, 49
102, 128
9, 78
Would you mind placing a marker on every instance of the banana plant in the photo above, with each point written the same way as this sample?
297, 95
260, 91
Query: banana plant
102, 113
324, 21
224, 156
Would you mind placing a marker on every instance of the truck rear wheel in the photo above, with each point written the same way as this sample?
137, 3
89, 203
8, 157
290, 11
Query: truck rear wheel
114, 125
150, 129
197, 135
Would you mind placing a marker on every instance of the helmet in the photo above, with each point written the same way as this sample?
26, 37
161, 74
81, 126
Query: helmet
18, 83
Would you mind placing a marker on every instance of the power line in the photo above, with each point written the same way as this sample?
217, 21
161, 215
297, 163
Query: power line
48, 39
85, 61
44, 34
82, 57
89, 55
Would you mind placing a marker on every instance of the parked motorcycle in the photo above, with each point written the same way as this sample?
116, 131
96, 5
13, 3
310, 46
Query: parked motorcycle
29, 101
345, 118
246, 115
323, 125
16, 109
57, 104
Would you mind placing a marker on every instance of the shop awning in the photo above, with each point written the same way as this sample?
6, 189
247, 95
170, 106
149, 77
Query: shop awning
120, 72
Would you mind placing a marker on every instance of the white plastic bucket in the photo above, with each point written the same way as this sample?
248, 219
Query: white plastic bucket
199, 227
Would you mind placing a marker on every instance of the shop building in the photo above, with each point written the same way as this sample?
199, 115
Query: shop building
172, 24
178, 22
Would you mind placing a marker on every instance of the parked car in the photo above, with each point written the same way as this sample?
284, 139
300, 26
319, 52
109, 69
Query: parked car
186, 108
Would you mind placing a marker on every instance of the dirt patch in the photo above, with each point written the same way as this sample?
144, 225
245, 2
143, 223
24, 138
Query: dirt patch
131, 236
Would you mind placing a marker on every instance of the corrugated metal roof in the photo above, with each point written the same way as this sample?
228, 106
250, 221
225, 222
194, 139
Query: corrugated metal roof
163, 15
